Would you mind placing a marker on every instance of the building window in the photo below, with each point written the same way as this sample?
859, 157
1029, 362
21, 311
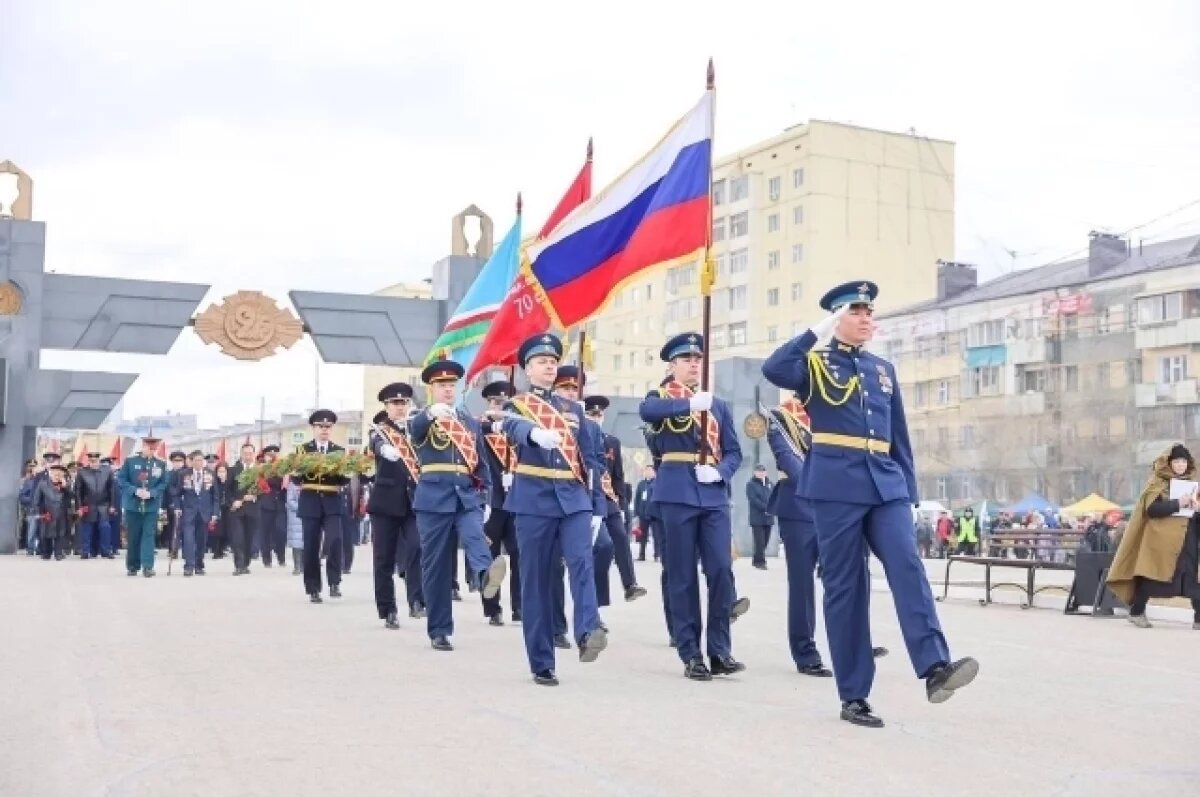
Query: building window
679, 276
1172, 369
773, 187
737, 297
649, 292
797, 328
633, 359
1102, 376
719, 229
797, 252
773, 259
739, 188
1032, 381
798, 215
649, 358
719, 264
772, 297
968, 436
984, 381
1071, 378
1155, 309
943, 488
772, 334
796, 291
353, 439
720, 336
773, 222
920, 394
718, 190
985, 333
739, 261
943, 437
943, 391
739, 224
616, 362
1032, 328
797, 178
737, 334
943, 344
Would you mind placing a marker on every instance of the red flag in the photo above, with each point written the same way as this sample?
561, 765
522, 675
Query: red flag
221, 452
161, 453
115, 453
524, 311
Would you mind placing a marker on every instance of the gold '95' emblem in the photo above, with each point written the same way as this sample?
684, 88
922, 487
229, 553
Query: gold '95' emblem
248, 326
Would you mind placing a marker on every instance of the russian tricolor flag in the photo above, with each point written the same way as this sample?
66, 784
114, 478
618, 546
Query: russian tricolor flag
655, 213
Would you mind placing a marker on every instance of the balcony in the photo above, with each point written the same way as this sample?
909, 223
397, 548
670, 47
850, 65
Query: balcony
1157, 395
1168, 333
1031, 403
1027, 350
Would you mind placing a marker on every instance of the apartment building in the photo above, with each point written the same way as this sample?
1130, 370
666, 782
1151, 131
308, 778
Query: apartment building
793, 215
1062, 380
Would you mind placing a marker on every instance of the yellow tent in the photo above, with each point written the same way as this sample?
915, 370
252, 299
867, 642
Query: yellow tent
1093, 503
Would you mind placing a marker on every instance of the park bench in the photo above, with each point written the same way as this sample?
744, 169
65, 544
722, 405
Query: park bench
1042, 541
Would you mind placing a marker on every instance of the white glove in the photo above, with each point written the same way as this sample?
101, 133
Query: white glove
441, 411
506, 481
597, 522
487, 513
701, 401
389, 452
707, 474
497, 427
824, 328
546, 438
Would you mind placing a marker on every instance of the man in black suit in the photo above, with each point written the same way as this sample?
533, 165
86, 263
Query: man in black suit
758, 494
243, 513
321, 512
647, 514
272, 514
393, 522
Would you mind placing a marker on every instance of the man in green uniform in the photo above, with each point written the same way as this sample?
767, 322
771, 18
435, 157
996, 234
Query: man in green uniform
142, 480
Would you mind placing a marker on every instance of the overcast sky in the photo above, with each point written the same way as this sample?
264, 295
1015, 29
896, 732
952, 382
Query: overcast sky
273, 145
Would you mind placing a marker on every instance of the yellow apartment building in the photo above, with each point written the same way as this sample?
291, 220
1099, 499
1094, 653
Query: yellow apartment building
793, 215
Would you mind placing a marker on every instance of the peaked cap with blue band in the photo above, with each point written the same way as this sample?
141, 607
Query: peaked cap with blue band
538, 345
849, 293
680, 345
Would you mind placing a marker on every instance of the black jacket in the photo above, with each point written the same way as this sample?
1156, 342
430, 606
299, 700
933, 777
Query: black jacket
643, 501
95, 488
758, 493
392, 488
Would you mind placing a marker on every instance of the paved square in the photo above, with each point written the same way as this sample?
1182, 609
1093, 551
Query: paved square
238, 686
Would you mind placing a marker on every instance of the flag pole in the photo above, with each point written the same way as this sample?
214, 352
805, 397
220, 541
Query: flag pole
708, 273
512, 369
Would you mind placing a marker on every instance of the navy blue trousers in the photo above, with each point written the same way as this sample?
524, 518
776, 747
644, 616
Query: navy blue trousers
800, 549
544, 543
438, 549
612, 544
844, 533
706, 532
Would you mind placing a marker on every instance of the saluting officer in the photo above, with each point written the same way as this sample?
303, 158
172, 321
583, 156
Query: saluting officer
861, 483
613, 484
692, 493
320, 511
143, 480
451, 497
394, 535
559, 507
501, 527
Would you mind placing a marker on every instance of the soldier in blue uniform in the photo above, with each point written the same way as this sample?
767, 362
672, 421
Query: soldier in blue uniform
320, 511
501, 527
861, 484
692, 493
143, 480
613, 485
451, 496
559, 506
394, 537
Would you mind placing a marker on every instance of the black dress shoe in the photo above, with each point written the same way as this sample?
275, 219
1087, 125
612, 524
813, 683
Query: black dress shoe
815, 670
879, 653
561, 642
417, 612
335, 591
516, 617
132, 573
266, 563
945, 679
858, 712
315, 597
496, 619
392, 623
673, 642
545, 678
760, 565
635, 592
591, 645
441, 643
187, 571
455, 595
148, 573
740, 607
696, 671
200, 571
492, 578
725, 665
